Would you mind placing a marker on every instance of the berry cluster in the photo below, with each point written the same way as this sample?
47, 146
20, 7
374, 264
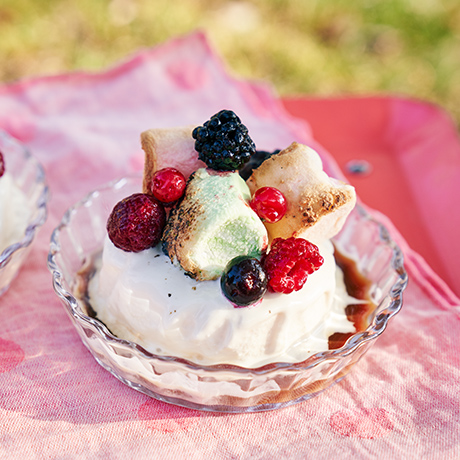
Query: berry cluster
223, 142
284, 269
136, 223
289, 263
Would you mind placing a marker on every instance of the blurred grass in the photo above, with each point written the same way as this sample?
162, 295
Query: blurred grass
312, 47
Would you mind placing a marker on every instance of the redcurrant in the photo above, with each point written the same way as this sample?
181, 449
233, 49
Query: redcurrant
168, 185
269, 204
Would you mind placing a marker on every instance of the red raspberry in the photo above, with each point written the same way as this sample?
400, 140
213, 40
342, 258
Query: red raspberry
2, 165
168, 185
269, 204
136, 223
289, 263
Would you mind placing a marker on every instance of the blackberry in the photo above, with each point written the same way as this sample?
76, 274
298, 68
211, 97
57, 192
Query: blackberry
255, 161
223, 142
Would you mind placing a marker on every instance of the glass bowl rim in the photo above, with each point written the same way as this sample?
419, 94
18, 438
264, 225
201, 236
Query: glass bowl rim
357, 340
40, 209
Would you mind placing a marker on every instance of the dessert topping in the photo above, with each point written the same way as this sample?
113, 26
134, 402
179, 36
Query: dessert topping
168, 185
214, 220
289, 263
223, 142
244, 281
136, 223
269, 204
2, 165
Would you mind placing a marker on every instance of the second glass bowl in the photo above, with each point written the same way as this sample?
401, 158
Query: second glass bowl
29, 176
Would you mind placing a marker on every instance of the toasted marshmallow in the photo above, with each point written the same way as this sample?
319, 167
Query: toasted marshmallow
169, 148
318, 205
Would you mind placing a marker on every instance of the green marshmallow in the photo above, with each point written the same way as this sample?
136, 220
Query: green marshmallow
213, 224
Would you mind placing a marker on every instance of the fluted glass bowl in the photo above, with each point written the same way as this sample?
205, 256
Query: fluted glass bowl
29, 176
223, 388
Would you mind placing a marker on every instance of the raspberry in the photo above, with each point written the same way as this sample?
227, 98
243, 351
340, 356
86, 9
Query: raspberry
2, 165
244, 281
136, 223
289, 263
269, 204
223, 142
168, 185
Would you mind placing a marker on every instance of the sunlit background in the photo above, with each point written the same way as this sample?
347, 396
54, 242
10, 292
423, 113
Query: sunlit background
309, 47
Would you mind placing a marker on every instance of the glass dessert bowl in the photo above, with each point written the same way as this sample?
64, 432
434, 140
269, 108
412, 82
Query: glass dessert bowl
23, 209
220, 387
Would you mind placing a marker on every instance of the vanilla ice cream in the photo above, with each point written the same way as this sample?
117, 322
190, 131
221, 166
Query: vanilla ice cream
15, 212
144, 298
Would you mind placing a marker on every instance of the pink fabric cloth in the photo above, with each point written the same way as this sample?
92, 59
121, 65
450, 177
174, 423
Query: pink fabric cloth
400, 401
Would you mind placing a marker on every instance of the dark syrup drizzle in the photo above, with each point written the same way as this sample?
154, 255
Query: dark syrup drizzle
358, 286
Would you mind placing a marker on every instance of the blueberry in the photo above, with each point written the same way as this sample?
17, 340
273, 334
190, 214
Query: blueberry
244, 281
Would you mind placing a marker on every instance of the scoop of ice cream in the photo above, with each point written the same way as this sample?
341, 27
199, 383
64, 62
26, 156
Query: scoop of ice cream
318, 205
15, 212
144, 298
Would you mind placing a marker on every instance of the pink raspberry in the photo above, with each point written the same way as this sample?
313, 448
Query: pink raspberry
289, 263
136, 223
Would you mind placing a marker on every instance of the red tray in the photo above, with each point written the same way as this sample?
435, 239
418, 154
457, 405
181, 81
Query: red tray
413, 150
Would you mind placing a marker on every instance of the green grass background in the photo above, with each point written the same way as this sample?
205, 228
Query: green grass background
310, 47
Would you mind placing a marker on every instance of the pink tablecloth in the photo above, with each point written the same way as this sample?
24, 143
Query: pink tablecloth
401, 400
